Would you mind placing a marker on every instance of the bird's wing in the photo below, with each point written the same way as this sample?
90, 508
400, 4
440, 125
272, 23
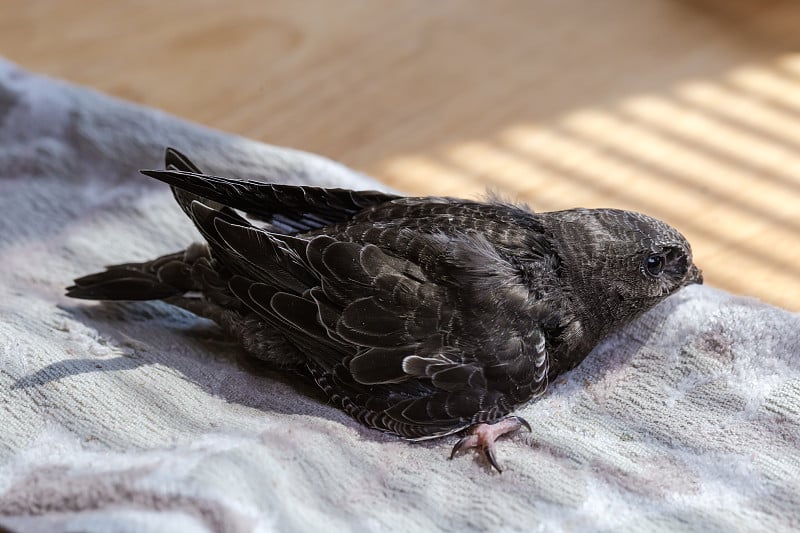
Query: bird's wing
289, 208
426, 332
404, 348
438, 348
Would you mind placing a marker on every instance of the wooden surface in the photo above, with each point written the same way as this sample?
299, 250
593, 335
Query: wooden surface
686, 110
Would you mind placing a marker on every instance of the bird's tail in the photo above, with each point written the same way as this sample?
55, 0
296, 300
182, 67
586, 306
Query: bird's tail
164, 277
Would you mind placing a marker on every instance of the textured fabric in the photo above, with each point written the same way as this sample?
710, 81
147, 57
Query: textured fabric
141, 417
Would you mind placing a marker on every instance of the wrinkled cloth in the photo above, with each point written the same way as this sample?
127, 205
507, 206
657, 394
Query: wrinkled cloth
143, 417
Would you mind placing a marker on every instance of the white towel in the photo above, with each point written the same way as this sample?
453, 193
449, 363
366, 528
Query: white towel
142, 417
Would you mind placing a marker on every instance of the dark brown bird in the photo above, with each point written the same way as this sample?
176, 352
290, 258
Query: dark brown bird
421, 317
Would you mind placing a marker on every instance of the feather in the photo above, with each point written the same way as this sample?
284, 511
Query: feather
294, 207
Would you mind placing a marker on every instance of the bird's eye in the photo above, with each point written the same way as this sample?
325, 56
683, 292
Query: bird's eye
654, 264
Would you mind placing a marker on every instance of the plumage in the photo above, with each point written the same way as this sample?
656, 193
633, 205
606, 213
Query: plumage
418, 316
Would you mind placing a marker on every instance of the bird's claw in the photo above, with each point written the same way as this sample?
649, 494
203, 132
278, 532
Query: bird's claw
464, 443
483, 436
522, 422
490, 456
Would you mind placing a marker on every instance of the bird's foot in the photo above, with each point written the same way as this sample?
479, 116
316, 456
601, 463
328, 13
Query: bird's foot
482, 436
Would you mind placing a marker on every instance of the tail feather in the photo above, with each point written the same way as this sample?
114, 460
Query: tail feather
164, 277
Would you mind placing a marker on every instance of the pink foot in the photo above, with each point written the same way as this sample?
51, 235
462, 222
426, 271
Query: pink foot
483, 436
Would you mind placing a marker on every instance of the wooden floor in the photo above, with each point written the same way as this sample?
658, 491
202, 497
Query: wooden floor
688, 110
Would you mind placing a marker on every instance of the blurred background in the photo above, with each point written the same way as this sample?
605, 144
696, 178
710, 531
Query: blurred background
688, 110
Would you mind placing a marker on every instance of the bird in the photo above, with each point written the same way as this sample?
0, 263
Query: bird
422, 317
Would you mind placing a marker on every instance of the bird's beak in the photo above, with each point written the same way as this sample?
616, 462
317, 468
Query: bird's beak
695, 275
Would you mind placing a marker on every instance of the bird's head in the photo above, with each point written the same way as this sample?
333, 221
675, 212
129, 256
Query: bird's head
619, 264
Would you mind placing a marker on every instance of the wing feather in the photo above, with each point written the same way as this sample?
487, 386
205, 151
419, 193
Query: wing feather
294, 208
